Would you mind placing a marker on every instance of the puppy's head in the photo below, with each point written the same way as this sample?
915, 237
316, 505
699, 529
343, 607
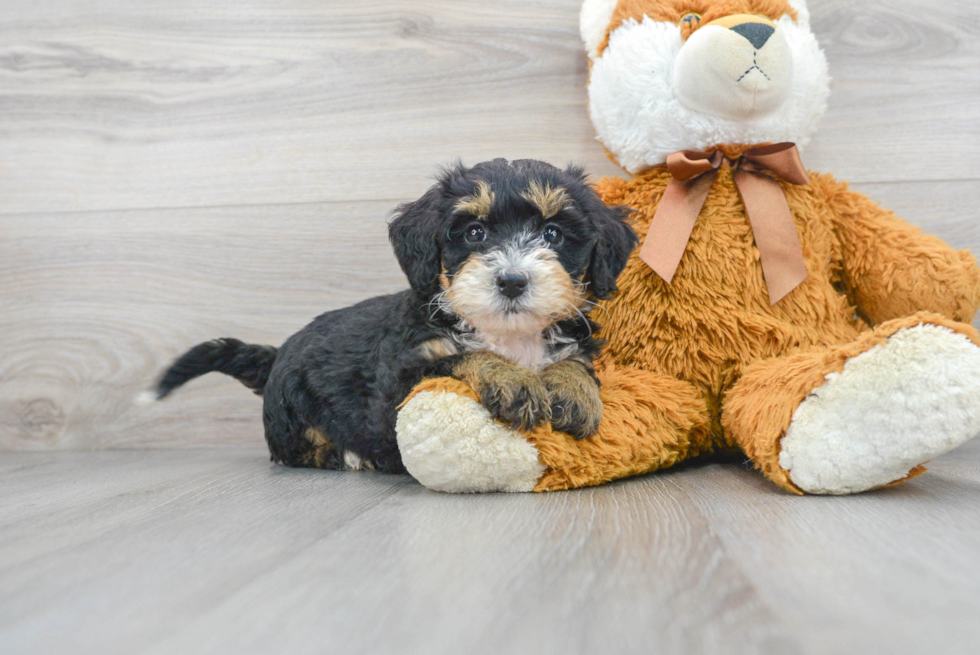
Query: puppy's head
511, 247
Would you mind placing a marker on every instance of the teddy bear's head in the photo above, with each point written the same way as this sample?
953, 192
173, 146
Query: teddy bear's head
669, 75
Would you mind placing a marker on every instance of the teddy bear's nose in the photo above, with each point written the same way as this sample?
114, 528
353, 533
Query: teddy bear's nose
756, 33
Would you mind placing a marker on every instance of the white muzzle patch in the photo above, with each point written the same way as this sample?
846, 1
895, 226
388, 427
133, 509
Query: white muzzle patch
720, 71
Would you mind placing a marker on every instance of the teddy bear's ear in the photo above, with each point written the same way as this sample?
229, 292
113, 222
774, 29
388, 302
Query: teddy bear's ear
594, 22
802, 11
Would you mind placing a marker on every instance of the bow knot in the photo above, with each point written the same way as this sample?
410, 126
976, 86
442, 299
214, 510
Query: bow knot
693, 173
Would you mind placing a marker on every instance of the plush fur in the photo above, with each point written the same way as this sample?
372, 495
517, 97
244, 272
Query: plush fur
490, 458
641, 116
872, 351
503, 259
881, 411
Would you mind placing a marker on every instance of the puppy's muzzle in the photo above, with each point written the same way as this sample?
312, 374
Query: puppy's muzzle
518, 288
512, 285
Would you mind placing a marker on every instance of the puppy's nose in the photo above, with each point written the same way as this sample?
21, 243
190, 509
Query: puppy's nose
511, 284
756, 33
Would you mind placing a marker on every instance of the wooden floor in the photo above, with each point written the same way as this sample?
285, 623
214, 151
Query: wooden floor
175, 171
217, 551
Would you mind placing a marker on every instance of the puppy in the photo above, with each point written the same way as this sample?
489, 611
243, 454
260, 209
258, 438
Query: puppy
502, 259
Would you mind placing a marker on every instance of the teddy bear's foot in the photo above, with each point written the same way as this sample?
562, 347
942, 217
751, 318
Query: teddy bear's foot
891, 408
450, 443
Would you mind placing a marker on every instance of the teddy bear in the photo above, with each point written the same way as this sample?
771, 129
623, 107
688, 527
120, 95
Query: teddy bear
769, 313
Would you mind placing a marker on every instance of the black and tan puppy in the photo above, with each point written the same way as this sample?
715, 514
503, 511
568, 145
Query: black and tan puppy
502, 259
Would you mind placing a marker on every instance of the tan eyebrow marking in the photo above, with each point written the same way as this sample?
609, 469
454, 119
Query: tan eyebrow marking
548, 199
478, 204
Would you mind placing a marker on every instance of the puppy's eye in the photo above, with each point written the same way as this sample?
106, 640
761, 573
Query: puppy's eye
474, 233
691, 20
553, 235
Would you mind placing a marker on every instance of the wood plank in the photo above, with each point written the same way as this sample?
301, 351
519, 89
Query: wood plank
888, 571
905, 97
120, 105
217, 551
149, 554
96, 306
236, 555
580, 572
130, 106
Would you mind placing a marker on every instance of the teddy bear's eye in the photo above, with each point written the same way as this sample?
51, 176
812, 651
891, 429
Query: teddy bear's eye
691, 20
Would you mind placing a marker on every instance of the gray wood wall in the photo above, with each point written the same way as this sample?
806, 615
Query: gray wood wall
171, 172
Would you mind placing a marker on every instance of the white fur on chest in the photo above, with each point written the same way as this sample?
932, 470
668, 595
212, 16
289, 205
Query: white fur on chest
527, 350
534, 351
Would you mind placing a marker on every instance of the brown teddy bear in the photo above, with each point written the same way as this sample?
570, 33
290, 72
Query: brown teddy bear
769, 311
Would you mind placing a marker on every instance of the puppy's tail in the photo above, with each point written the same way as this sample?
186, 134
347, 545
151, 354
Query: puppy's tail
248, 363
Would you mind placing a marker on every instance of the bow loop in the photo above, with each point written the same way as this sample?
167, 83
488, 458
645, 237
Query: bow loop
781, 159
693, 173
686, 164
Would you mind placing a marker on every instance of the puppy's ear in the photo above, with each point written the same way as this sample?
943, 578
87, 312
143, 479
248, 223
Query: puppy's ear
615, 241
414, 235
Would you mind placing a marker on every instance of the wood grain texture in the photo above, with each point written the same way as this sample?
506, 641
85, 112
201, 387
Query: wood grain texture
216, 551
905, 95
179, 105
95, 306
109, 105
174, 172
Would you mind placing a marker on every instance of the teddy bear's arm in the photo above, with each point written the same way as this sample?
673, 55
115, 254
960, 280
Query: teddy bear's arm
891, 269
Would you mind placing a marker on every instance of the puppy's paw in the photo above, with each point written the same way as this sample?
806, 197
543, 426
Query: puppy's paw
519, 399
576, 407
578, 414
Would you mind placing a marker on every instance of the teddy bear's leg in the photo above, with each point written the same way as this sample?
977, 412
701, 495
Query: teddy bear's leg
862, 415
449, 442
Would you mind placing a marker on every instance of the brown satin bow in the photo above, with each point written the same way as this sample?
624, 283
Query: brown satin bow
775, 235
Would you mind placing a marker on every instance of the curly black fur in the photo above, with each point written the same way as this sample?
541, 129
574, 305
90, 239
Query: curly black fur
333, 388
247, 363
